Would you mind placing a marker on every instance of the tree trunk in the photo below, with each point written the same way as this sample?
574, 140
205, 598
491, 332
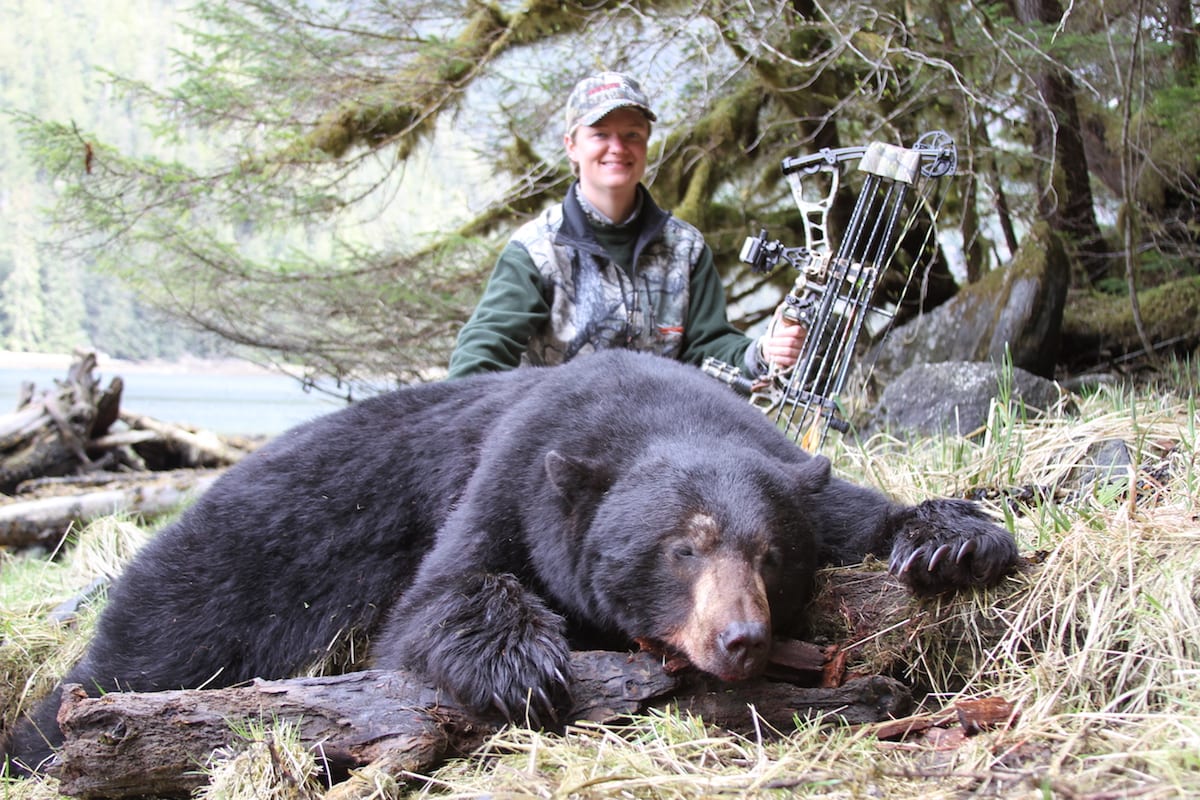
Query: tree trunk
1064, 188
1181, 17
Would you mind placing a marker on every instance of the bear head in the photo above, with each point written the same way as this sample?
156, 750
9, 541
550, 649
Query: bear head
701, 551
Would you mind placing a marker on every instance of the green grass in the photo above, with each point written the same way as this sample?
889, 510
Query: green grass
1097, 644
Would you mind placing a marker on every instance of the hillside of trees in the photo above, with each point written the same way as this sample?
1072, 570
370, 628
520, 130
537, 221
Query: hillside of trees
330, 181
53, 58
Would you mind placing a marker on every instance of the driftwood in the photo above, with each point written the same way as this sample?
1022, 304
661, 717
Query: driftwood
49, 432
202, 448
76, 428
44, 520
126, 745
74, 438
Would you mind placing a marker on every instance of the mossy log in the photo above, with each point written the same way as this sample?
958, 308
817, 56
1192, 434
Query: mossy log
1099, 328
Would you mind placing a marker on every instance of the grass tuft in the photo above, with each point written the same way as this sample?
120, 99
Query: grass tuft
267, 763
48, 607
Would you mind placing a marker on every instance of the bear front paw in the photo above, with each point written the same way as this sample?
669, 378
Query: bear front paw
501, 650
943, 545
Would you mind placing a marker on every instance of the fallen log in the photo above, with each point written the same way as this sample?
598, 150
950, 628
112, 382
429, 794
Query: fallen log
128, 745
44, 521
18, 426
366, 724
372, 723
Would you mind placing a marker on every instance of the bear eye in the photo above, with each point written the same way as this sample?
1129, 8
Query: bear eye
681, 550
772, 558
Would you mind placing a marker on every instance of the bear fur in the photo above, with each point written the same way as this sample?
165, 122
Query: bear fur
478, 529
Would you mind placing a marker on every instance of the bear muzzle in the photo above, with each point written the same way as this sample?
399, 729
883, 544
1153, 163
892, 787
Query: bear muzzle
728, 630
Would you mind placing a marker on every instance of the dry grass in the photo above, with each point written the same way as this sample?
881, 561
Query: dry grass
268, 763
1097, 644
48, 605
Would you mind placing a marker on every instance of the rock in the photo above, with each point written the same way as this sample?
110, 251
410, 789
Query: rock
955, 397
1108, 464
1017, 309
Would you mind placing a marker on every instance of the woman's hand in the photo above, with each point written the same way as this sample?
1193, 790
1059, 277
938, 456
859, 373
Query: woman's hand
780, 345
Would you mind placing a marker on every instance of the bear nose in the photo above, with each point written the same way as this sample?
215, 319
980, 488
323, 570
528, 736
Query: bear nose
746, 644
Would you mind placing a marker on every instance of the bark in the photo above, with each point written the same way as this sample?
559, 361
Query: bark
128, 745
1064, 188
971, 716
1181, 19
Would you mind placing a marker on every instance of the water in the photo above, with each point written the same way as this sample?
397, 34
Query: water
225, 403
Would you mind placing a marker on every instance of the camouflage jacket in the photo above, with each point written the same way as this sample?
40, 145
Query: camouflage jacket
564, 286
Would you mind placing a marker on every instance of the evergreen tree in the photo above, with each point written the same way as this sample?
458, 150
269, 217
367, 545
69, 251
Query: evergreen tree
24, 312
368, 158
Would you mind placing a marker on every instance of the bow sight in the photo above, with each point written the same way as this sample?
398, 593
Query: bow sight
833, 291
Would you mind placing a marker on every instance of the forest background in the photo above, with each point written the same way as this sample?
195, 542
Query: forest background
51, 57
329, 183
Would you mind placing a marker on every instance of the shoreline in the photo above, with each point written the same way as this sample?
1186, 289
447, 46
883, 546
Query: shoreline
228, 397
192, 365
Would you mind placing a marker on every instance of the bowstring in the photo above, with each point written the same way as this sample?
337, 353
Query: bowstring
848, 325
939, 192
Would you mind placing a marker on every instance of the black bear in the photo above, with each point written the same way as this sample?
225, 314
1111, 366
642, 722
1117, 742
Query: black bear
476, 528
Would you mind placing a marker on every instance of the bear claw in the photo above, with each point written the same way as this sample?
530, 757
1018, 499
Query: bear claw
968, 547
501, 706
925, 535
939, 554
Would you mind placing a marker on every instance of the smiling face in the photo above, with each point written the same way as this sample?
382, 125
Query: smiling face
611, 157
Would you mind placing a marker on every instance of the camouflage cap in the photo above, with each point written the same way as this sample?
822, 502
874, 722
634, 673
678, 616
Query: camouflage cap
599, 94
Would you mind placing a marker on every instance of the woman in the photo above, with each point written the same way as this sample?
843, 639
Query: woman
607, 267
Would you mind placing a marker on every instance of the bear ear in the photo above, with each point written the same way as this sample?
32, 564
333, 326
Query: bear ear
813, 474
575, 477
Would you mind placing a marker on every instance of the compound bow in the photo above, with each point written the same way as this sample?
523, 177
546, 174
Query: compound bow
832, 294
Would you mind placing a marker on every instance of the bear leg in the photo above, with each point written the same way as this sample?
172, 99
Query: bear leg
935, 546
34, 738
493, 644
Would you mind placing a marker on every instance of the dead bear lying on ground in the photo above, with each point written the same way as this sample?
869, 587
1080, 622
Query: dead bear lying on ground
476, 528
